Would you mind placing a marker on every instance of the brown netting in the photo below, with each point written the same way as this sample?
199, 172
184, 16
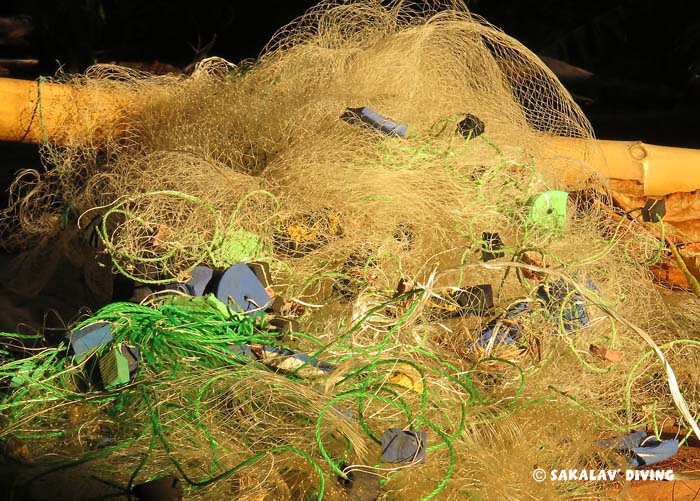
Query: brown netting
270, 132
249, 161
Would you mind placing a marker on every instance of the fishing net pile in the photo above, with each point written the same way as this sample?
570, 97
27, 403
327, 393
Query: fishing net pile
252, 162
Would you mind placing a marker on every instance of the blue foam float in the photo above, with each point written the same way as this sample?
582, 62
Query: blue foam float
200, 278
505, 329
561, 298
403, 446
240, 288
368, 116
642, 449
89, 338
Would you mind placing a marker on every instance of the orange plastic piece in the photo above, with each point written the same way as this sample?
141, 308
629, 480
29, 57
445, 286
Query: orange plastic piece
606, 354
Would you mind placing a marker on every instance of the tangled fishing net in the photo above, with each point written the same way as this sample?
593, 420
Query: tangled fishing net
252, 162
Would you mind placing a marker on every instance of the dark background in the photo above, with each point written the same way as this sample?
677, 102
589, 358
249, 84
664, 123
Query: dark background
644, 53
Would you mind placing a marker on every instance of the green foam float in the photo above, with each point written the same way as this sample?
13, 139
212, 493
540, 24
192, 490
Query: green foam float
548, 210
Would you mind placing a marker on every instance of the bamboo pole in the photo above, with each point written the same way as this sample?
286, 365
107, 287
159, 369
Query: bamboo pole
661, 170
33, 112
